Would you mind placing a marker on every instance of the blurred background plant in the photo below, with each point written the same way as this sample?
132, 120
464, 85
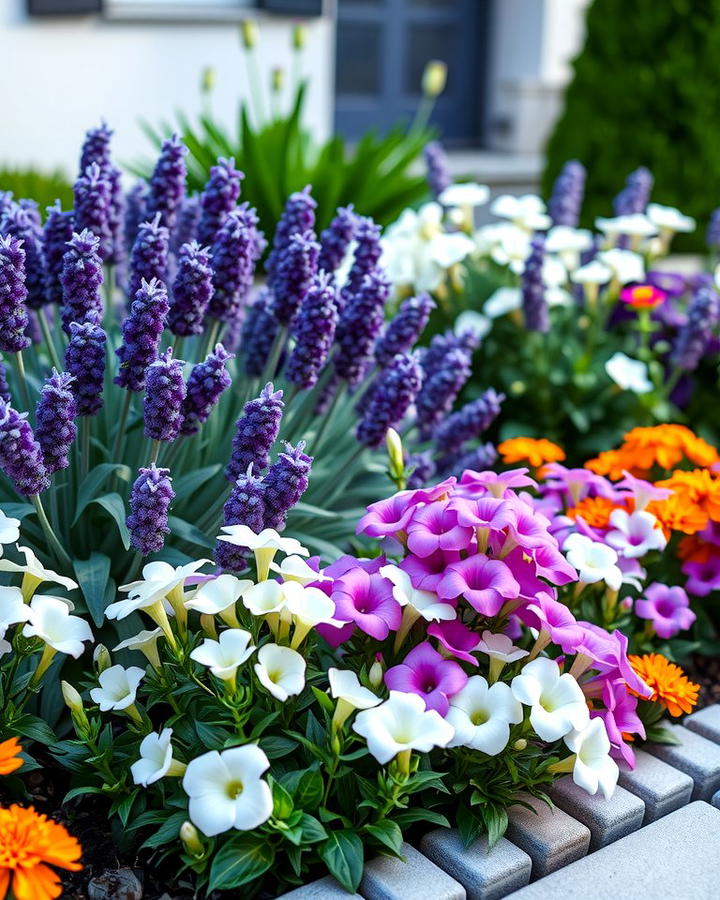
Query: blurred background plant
45, 188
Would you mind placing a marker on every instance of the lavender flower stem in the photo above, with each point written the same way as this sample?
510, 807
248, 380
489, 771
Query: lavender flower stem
154, 451
52, 538
120, 433
211, 338
49, 342
274, 355
84, 447
340, 391
20, 366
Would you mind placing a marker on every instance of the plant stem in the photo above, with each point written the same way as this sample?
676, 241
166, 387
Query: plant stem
50, 534
49, 341
85, 446
274, 356
255, 86
20, 366
317, 443
120, 433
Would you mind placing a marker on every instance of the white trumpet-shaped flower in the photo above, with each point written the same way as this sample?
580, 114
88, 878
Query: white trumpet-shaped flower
34, 574
264, 545
345, 687
226, 790
50, 620
294, 568
504, 300
146, 643
593, 560
280, 670
633, 224
635, 534
594, 767
629, 374
160, 580
156, 759
425, 603
9, 530
13, 610
218, 596
481, 715
625, 265
527, 211
557, 704
668, 218
264, 599
402, 724
593, 273
224, 656
118, 687
308, 607
468, 193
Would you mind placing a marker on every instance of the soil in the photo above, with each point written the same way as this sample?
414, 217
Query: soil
705, 671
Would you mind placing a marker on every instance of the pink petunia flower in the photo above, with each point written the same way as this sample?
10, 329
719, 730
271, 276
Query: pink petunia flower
457, 639
435, 527
477, 484
703, 577
620, 717
426, 571
426, 673
485, 583
668, 608
367, 600
551, 618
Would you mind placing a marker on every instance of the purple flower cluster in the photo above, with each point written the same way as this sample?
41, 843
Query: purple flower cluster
258, 334
469, 422
634, 197
404, 330
314, 331
135, 203
165, 393
693, 338
294, 275
335, 239
192, 290
441, 385
391, 397
534, 304
57, 233
207, 382
22, 223
4, 386
149, 255
55, 415
297, 218
81, 280
93, 199
150, 501
360, 323
365, 259
218, 199
141, 330
96, 149
85, 361
567, 194
437, 168
234, 254
285, 483
188, 219
21, 458
244, 506
712, 236
13, 293
255, 433
167, 183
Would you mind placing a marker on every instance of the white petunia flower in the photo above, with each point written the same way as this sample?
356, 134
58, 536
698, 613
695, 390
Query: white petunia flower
50, 620
557, 704
280, 670
594, 767
626, 265
345, 687
527, 211
226, 790
160, 582
471, 320
465, 194
635, 534
564, 239
218, 597
13, 610
500, 647
294, 568
9, 530
667, 218
146, 643
629, 374
265, 598
481, 715
402, 724
512, 248
264, 545
118, 688
425, 603
308, 606
34, 574
156, 759
224, 656
593, 273
633, 224
503, 301
593, 560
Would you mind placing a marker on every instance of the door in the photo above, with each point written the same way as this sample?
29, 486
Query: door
382, 49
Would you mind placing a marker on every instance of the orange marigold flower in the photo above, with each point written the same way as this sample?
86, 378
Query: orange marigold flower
679, 513
611, 464
531, 450
670, 685
10, 761
595, 511
701, 487
29, 844
694, 549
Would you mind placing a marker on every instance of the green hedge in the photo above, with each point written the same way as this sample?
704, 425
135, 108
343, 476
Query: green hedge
45, 188
646, 91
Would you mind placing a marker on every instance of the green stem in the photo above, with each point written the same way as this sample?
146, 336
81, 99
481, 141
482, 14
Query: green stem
85, 446
50, 534
274, 356
49, 340
255, 86
317, 443
20, 366
120, 433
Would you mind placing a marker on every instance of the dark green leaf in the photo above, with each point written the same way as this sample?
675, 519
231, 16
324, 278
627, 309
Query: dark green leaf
92, 575
114, 506
186, 485
240, 861
282, 801
93, 481
388, 834
309, 792
189, 532
168, 831
312, 830
342, 853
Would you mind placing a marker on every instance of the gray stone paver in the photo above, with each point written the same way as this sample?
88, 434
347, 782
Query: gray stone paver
607, 820
706, 722
551, 838
484, 875
696, 756
676, 857
389, 878
661, 787
322, 889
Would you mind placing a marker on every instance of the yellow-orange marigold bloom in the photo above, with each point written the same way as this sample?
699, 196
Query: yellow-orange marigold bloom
535, 451
679, 513
669, 683
10, 761
29, 844
701, 487
694, 549
595, 511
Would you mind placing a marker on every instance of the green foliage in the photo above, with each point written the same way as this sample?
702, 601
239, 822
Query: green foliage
281, 156
44, 188
644, 92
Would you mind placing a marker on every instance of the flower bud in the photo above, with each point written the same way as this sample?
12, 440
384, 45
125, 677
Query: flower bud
190, 838
72, 698
375, 675
395, 452
299, 37
207, 80
101, 658
249, 33
434, 78
520, 744
277, 79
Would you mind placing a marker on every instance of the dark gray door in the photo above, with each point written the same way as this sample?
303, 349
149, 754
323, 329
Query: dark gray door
382, 49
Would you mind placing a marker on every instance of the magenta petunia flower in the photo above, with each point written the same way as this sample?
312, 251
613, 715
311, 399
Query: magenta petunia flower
524, 571
426, 673
485, 583
668, 608
486, 512
620, 716
552, 565
553, 618
575, 484
388, 516
426, 571
529, 527
456, 638
435, 527
643, 491
477, 484
346, 563
608, 652
367, 600
703, 577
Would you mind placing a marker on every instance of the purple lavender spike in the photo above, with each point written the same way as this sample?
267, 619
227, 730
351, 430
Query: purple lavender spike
150, 501
135, 203
81, 280
365, 259
4, 387
314, 331
437, 168
404, 330
635, 196
167, 184
258, 334
423, 468
207, 382
141, 330
13, 294
567, 194
57, 233
85, 361
96, 149
297, 218
391, 397
244, 506
149, 257
165, 393
255, 433
218, 199
233, 260
21, 224
336, 238
20, 454
186, 227
695, 336
294, 275
55, 416
192, 290
359, 326
535, 308
441, 386
93, 198
468, 423
285, 483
